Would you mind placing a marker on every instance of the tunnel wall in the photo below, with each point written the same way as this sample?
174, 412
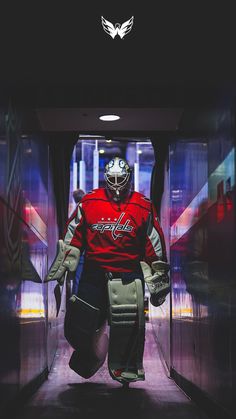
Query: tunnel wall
160, 316
29, 328
202, 242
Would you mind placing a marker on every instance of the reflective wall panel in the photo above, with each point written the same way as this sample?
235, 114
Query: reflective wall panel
160, 316
202, 243
28, 229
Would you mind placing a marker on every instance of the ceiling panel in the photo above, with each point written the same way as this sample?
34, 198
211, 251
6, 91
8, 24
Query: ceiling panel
87, 119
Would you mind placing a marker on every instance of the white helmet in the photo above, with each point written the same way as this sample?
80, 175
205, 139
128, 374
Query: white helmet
117, 176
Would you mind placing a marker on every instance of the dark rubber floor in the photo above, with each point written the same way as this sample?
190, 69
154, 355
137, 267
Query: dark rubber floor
66, 395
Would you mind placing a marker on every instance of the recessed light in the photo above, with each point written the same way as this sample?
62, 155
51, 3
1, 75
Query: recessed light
109, 117
101, 151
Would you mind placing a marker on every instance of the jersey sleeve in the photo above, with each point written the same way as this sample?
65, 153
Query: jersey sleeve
155, 248
73, 233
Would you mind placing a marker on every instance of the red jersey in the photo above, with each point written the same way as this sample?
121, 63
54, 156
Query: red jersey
116, 236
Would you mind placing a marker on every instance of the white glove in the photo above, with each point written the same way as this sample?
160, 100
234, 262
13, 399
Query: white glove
67, 259
157, 280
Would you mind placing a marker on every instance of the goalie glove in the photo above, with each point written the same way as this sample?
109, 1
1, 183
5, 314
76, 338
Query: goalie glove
157, 280
67, 259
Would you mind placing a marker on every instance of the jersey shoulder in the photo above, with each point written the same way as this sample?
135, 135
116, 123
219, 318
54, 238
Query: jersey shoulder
141, 200
94, 194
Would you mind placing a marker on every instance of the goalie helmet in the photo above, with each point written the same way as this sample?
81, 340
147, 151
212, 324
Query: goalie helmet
118, 177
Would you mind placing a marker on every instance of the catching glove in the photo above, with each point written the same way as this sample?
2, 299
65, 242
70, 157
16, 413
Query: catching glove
157, 280
67, 259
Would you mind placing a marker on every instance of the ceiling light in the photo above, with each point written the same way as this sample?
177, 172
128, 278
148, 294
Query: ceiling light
101, 151
109, 117
108, 141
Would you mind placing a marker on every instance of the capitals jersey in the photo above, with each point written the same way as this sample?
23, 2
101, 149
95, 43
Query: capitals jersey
116, 236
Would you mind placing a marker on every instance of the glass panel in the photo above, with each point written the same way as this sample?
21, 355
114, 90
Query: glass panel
84, 175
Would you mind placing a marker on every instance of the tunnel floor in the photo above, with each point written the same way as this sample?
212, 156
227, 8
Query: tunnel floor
65, 394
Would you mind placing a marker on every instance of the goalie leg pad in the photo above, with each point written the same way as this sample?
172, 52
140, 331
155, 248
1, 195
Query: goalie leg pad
81, 322
82, 332
87, 361
127, 330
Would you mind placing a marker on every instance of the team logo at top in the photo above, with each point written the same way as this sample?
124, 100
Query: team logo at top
118, 29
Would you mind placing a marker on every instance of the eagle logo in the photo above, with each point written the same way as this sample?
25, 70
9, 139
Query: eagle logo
118, 29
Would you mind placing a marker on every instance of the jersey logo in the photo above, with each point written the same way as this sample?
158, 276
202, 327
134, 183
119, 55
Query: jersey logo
113, 226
